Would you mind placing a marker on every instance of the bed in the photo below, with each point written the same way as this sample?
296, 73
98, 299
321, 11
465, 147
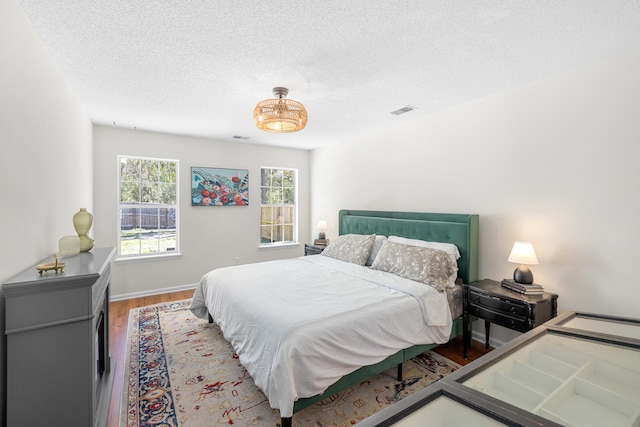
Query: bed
318, 345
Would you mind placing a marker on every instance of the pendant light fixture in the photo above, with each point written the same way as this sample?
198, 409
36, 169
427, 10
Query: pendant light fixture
280, 114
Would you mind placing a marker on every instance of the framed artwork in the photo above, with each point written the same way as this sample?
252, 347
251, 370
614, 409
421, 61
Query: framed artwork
219, 187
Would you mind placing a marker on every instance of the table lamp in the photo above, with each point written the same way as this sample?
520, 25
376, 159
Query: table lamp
322, 237
523, 254
322, 227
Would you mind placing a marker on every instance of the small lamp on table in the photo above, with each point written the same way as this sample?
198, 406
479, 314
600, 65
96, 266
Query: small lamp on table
523, 254
322, 237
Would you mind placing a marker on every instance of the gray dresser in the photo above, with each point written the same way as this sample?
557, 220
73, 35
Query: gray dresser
57, 328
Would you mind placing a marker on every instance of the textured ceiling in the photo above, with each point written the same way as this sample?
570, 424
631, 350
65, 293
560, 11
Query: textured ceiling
198, 67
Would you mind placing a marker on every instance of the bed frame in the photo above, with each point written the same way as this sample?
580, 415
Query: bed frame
459, 229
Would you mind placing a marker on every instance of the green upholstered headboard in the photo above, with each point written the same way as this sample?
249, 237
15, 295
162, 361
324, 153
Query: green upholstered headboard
459, 229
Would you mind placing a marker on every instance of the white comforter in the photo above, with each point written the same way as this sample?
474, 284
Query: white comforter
298, 325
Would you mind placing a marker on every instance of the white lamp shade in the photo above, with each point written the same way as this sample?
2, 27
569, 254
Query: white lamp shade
523, 253
322, 225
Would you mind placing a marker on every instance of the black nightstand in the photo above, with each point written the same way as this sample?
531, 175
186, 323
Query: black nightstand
313, 249
489, 300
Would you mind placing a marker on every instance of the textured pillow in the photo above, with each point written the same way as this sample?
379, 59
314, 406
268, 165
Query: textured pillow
427, 265
377, 244
354, 248
449, 248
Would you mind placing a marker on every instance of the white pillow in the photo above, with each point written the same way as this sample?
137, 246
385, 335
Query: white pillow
377, 244
354, 248
427, 265
449, 248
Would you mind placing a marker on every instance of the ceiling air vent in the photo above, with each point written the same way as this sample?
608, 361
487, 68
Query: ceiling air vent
403, 110
240, 137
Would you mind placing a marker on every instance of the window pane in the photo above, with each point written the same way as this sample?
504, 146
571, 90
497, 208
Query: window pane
130, 169
277, 234
129, 231
287, 231
288, 213
168, 220
156, 193
276, 178
168, 241
265, 234
274, 196
288, 196
288, 178
149, 218
129, 192
164, 194
167, 172
146, 192
266, 216
130, 242
149, 170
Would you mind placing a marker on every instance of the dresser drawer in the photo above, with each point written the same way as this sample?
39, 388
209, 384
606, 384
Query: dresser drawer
515, 308
520, 324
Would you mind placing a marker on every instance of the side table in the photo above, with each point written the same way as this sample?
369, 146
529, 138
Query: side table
489, 300
313, 249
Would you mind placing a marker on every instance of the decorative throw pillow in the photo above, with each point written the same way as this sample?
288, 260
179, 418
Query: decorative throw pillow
377, 244
427, 265
353, 248
449, 248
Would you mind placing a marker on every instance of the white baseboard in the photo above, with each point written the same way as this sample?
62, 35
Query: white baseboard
152, 292
480, 337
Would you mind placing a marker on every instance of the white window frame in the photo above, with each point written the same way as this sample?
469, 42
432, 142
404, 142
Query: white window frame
294, 223
175, 251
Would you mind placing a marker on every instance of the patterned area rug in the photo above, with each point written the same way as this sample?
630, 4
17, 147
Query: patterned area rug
180, 371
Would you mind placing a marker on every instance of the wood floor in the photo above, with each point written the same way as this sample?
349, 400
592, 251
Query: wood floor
119, 318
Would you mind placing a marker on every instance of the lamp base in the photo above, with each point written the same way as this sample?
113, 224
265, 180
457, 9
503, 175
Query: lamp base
523, 275
320, 242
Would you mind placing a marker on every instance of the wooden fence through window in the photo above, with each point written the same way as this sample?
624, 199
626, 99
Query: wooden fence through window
148, 218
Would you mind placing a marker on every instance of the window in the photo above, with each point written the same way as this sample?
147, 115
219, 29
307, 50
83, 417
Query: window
278, 210
147, 207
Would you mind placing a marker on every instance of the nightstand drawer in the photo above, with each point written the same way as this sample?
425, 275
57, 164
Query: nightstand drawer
514, 308
312, 249
499, 318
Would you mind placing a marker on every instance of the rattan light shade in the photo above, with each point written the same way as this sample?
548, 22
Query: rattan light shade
280, 114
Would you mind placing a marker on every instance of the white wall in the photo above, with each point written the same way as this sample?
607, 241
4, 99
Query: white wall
211, 237
46, 159
554, 162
